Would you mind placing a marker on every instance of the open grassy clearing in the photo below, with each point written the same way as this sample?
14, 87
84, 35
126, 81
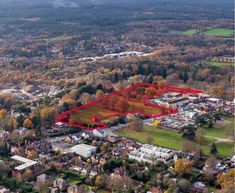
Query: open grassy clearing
162, 137
190, 32
225, 32
220, 64
225, 149
173, 140
222, 129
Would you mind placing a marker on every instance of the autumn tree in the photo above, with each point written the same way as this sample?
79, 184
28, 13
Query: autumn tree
3, 113
71, 103
183, 166
227, 181
150, 90
122, 105
99, 94
136, 124
199, 137
218, 91
99, 181
28, 123
32, 154
85, 97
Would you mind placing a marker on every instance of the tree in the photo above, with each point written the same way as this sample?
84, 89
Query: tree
32, 154
183, 185
149, 79
4, 149
149, 139
47, 101
200, 139
122, 105
226, 180
28, 123
13, 124
189, 133
189, 146
150, 90
99, 94
213, 148
218, 91
99, 181
210, 164
48, 113
27, 174
3, 113
136, 124
164, 74
185, 76
71, 103
85, 97
183, 166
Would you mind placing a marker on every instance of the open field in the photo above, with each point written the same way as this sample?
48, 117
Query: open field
190, 32
225, 149
225, 32
222, 129
162, 137
173, 140
166, 138
220, 64
132, 100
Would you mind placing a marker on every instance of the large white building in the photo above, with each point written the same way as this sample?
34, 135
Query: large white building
26, 163
83, 150
149, 153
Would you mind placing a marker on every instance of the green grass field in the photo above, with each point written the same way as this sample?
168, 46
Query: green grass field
225, 149
173, 140
224, 32
224, 129
162, 137
190, 32
220, 64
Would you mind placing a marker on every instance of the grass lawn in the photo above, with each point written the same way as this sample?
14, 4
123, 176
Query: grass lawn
225, 149
190, 32
173, 140
220, 64
225, 32
161, 137
222, 129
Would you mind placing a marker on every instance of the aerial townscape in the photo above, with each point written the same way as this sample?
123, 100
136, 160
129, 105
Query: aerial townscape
117, 96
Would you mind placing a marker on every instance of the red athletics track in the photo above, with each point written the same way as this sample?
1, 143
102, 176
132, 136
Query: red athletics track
100, 125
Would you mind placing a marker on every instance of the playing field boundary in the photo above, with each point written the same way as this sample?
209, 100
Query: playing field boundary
95, 119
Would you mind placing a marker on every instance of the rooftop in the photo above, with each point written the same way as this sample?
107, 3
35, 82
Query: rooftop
26, 162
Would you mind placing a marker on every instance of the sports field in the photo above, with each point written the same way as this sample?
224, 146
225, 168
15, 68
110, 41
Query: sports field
132, 100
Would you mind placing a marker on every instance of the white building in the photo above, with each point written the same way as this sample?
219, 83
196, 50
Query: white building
149, 153
99, 133
83, 150
26, 163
